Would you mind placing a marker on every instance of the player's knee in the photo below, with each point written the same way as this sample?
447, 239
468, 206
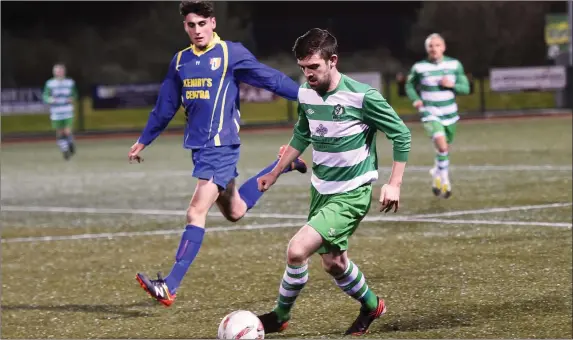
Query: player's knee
296, 254
334, 266
234, 215
196, 212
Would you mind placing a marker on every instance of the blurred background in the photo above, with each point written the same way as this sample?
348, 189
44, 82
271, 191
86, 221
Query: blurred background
106, 44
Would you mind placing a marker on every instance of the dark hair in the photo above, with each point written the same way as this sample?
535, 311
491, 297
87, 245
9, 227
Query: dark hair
314, 41
201, 8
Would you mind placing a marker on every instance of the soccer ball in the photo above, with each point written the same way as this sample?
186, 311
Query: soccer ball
241, 324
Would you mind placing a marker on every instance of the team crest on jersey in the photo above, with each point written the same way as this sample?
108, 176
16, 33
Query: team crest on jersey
338, 111
321, 130
215, 63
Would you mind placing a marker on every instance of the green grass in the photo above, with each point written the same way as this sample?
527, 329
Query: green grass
277, 111
474, 275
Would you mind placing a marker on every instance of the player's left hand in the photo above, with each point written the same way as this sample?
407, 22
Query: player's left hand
389, 198
447, 82
133, 154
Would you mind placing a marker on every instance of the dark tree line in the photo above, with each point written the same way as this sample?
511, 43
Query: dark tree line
139, 47
485, 34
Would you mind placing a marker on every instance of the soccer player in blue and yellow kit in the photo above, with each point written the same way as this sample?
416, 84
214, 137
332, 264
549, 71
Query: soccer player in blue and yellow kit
204, 78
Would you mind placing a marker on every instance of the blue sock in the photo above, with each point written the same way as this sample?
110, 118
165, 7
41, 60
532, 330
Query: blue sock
249, 191
188, 248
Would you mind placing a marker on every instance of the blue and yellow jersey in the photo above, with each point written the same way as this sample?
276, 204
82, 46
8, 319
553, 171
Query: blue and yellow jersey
206, 83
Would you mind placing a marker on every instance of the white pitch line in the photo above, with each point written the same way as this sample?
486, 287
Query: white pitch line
493, 210
144, 212
144, 233
261, 227
492, 222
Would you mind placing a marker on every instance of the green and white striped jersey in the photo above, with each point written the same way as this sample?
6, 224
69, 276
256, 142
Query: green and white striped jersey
439, 102
341, 126
60, 93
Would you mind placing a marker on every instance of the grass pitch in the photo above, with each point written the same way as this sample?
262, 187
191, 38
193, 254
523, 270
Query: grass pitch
494, 261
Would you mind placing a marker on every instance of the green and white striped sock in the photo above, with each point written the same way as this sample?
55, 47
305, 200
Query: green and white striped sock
353, 283
294, 279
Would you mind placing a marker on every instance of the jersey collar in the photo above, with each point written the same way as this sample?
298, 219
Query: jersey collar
214, 41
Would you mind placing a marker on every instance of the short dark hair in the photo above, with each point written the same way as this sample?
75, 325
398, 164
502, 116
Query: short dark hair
314, 41
201, 8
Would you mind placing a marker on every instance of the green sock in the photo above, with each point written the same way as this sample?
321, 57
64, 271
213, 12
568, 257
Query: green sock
294, 279
353, 283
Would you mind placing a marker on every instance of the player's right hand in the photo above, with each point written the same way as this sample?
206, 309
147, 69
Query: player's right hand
418, 104
133, 154
266, 181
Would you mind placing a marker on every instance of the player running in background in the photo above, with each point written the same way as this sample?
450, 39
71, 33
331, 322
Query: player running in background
204, 78
60, 93
339, 117
440, 79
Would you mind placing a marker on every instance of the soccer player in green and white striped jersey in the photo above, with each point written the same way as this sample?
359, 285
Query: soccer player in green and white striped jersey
60, 93
440, 79
339, 117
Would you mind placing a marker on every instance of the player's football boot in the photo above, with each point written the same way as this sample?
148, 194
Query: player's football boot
362, 323
299, 164
446, 190
271, 323
436, 182
157, 289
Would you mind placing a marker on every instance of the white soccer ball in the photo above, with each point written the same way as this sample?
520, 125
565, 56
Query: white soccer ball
241, 324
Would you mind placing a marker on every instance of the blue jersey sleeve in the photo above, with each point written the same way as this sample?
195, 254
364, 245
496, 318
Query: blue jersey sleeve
168, 102
249, 70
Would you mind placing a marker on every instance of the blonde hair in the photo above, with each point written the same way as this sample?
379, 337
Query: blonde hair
432, 36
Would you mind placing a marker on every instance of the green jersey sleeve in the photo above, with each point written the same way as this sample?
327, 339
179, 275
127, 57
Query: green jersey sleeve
301, 134
462, 85
411, 82
380, 115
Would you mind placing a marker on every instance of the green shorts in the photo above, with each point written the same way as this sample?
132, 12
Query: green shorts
62, 123
435, 129
335, 217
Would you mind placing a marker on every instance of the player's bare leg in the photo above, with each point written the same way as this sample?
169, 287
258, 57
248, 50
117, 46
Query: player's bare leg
230, 203
441, 184
249, 191
165, 290
301, 247
351, 280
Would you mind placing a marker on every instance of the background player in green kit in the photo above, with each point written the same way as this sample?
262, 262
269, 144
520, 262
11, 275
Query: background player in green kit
440, 79
60, 93
339, 117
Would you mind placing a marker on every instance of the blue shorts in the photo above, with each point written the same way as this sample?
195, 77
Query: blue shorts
217, 162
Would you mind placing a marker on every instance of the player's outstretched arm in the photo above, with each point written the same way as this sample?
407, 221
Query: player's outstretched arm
168, 102
462, 85
249, 70
410, 87
379, 114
